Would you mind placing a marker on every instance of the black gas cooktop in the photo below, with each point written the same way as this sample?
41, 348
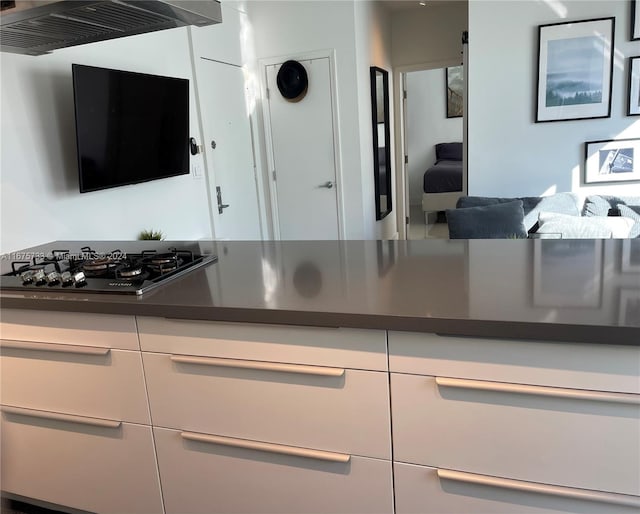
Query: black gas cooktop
90, 271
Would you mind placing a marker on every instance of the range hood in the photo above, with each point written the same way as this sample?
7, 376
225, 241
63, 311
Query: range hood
38, 27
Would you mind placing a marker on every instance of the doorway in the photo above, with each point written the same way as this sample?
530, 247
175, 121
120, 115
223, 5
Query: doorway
434, 137
427, 125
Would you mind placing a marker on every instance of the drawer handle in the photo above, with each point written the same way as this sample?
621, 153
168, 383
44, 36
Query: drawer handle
54, 347
261, 366
577, 394
267, 447
530, 487
56, 416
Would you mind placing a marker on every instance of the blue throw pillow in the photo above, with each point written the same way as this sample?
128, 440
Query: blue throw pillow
503, 220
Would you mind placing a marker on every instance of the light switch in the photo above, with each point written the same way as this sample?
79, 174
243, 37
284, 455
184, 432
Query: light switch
196, 169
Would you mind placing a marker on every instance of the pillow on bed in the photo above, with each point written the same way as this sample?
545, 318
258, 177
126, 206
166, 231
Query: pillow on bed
449, 151
499, 221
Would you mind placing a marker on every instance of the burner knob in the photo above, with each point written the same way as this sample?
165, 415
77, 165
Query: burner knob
79, 279
27, 277
39, 277
66, 278
53, 278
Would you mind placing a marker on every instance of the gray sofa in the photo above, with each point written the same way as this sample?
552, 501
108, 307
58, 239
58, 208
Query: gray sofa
561, 215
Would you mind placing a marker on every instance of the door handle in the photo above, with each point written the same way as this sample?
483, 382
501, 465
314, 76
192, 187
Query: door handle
327, 184
557, 392
54, 347
267, 447
221, 206
56, 416
260, 366
530, 487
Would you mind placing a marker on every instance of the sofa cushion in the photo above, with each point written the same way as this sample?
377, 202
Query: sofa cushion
563, 203
605, 205
577, 227
499, 221
633, 213
449, 151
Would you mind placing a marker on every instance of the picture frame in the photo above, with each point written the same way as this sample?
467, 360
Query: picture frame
630, 256
635, 20
556, 285
629, 308
612, 161
575, 70
454, 91
634, 87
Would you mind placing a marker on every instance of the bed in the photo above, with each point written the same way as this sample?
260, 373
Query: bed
444, 182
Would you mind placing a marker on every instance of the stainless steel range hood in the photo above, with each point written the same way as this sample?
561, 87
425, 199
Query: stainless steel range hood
38, 27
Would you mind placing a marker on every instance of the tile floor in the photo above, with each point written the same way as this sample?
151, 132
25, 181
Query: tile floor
419, 230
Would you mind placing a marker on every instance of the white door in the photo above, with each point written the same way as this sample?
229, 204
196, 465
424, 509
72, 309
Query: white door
303, 156
228, 149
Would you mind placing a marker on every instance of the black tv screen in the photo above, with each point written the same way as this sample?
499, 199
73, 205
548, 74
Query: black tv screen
130, 127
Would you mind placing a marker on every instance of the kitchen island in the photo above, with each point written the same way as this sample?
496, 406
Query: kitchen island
273, 380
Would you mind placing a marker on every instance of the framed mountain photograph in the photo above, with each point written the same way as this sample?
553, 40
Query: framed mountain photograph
635, 20
575, 70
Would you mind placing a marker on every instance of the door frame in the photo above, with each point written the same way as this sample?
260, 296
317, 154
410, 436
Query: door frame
271, 184
402, 182
210, 172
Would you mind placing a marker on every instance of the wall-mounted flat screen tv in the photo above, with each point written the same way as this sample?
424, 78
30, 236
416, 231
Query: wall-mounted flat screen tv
130, 127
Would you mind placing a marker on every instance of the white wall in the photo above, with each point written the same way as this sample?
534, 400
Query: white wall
373, 48
427, 125
509, 154
284, 28
40, 197
429, 34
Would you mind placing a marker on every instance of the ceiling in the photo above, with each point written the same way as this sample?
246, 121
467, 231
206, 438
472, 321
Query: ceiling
399, 5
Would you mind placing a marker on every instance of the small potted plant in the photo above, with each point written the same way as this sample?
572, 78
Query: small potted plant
155, 235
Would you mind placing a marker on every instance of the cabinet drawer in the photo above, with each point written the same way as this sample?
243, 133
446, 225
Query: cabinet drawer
88, 381
420, 489
328, 408
70, 328
74, 462
511, 433
601, 367
208, 478
344, 348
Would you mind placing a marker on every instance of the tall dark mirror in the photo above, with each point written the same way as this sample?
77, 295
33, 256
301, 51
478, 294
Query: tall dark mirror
381, 140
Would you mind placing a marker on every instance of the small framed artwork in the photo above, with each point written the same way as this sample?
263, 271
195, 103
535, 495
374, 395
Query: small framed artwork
612, 161
630, 256
560, 284
455, 90
629, 310
575, 70
635, 20
634, 86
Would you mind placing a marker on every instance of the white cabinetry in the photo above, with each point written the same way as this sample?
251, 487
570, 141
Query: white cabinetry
75, 427
248, 418
502, 426
269, 419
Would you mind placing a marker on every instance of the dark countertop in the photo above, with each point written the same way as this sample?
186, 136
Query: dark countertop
557, 290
